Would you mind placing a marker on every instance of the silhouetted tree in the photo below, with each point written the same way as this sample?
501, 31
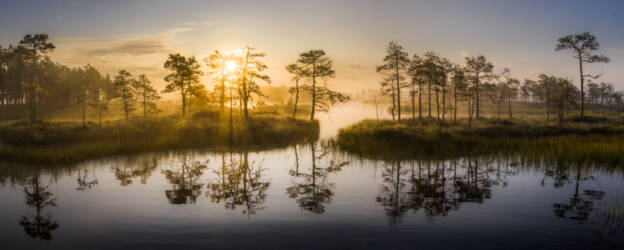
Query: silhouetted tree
37, 45
396, 61
147, 95
583, 44
479, 68
459, 86
251, 70
297, 75
184, 77
417, 78
217, 68
314, 64
123, 86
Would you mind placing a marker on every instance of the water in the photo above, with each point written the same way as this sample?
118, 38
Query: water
309, 197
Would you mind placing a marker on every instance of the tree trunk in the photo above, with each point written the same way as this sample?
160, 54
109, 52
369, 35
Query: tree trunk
509, 105
183, 101
222, 92
393, 100
455, 104
443, 102
582, 82
477, 92
413, 101
313, 91
398, 83
437, 103
296, 98
429, 99
420, 100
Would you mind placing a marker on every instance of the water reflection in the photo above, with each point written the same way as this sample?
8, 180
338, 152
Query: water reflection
84, 182
128, 170
239, 183
40, 224
184, 179
579, 199
436, 188
580, 206
312, 190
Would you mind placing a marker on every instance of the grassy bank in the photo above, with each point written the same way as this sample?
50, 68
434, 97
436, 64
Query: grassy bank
588, 141
67, 142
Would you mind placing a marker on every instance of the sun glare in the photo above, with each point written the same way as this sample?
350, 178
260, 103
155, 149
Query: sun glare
231, 66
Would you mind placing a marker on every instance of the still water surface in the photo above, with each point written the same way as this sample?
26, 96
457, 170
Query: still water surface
309, 197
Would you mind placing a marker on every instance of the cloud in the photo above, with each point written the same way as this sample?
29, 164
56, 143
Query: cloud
143, 46
137, 53
356, 65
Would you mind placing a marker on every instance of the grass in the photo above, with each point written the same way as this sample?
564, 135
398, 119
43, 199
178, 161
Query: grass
69, 142
598, 141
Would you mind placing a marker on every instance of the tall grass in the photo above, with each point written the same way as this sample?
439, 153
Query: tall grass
574, 142
64, 142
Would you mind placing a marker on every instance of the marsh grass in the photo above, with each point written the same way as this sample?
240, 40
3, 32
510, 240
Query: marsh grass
67, 142
601, 142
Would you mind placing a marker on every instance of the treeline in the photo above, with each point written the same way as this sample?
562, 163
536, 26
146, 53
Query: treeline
31, 83
433, 81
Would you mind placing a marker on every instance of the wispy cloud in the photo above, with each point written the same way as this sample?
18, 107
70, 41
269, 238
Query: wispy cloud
137, 53
356, 65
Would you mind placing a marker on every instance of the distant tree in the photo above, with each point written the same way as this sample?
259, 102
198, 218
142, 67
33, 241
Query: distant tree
396, 61
548, 85
445, 68
430, 69
459, 86
102, 96
147, 95
184, 77
565, 95
100, 102
388, 88
125, 90
37, 45
217, 68
314, 64
478, 68
509, 89
251, 70
294, 69
583, 44
416, 76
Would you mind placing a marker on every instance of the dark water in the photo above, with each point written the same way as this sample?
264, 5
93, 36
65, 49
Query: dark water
309, 197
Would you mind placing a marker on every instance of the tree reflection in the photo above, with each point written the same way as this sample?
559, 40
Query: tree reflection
83, 182
580, 206
392, 196
184, 180
436, 187
131, 169
239, 184
38, 197
312, 190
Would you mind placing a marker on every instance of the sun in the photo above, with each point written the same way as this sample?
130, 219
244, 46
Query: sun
231, 66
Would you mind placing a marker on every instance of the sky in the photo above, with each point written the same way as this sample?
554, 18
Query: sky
138, 35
